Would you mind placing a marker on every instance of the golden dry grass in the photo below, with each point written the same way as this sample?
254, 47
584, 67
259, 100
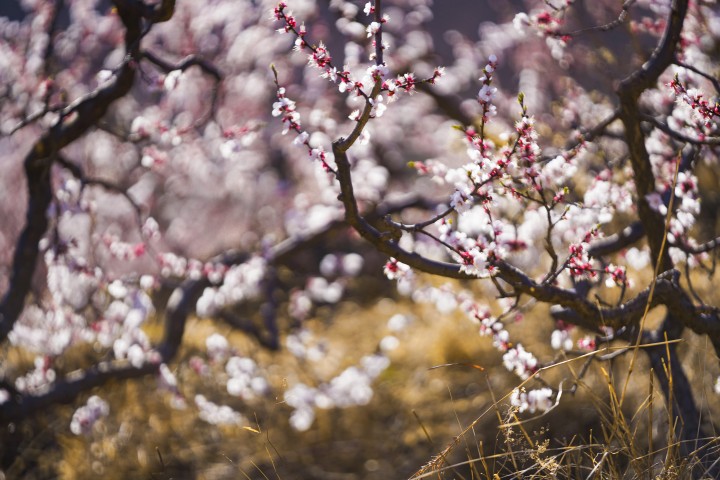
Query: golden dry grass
449, 422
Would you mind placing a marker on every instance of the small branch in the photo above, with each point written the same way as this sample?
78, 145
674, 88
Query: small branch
713, 141
702, 248
185, 64
598, 130
416, 227
622, 18
381, 242
449, 104
34, 117
712, 79
77, 172
616, 242
378, 35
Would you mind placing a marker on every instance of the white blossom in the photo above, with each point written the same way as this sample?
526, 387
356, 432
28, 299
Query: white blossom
86, 416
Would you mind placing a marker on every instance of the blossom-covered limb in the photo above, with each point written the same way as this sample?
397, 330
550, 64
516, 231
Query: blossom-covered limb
378, 238
182, 304
319, 55
679, 136
21, 407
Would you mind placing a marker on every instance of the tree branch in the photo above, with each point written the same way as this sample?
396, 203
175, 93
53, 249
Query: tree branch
713, 141
616, 242
74, 121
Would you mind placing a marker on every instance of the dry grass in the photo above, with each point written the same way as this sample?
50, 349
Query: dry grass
449, 422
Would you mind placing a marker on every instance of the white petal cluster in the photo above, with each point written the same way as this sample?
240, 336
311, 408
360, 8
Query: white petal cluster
244, 378
540, 400
217, 414
560, 340
352, 387
86, 416
520, 361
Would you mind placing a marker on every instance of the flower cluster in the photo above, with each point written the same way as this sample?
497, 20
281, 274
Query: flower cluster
215, 414
560, 339
489, 325
707, 113
133, 344
239, 282
318, 56
539, 400
617, 276
123, 250
475, 254
218, 347
402, 273
520, 361
86, 416
352, 387
280, 14
286, 108
39, 380
587, 343
172, 265
374, 27
244, 378
579, 262
303, 346
487, 91
527, 148
546, 22
394, 270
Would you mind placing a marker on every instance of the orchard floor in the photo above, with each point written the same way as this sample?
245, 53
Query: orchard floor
446, 418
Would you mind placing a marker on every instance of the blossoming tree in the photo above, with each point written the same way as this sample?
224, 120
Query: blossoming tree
144, 127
